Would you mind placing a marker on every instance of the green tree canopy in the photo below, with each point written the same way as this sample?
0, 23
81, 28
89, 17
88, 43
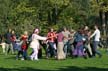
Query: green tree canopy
27, 14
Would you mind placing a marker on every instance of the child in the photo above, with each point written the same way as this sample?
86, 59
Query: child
24, 45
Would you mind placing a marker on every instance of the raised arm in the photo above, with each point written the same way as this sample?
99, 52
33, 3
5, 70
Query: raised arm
93, 34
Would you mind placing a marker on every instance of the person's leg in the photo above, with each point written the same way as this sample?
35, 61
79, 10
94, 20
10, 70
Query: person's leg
7, 48
95, 48
3, 47
22, 55
89, 50
14, 46
25, 54
45, 48
75, 52
72, 50
97, 51
19, 53
48, 51
33, 54
40, 53
80, 50
65, 49
55, 49
36, 54
11, 47
68, 48
52, 50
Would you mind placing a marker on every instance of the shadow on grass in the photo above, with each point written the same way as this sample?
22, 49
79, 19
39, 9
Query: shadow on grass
71, 68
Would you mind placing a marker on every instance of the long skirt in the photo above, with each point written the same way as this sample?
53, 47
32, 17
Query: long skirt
60, 52
78, 51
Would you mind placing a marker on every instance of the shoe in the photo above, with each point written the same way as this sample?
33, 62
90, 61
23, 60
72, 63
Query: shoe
22, 58
31, 58
36, 59
55, 57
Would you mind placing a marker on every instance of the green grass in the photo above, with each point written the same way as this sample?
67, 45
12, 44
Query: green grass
8, 63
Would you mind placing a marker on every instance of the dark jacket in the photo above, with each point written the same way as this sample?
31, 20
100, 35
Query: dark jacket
8, 38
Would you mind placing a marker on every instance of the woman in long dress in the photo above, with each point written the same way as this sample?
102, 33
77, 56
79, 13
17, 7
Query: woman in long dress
60, 45
79, 46
35, 44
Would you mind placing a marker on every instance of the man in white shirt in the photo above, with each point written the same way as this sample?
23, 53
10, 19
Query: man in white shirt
96, 40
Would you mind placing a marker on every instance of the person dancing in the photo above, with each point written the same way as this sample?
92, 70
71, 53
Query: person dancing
96, 41
35, 44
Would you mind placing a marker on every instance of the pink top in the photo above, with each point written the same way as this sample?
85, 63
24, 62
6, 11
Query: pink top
60, 37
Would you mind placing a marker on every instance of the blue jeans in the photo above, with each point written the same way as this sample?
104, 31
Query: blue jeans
95, 44
51, 48
24, 54
14, 46
66, 45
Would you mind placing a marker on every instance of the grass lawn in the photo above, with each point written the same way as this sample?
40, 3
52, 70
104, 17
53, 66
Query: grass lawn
8, 63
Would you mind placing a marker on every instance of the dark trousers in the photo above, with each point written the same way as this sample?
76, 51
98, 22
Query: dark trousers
19, 53
24, 54
95, 51
51, 49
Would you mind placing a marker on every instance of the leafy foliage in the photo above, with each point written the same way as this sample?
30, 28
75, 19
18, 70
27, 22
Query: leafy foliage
28, 14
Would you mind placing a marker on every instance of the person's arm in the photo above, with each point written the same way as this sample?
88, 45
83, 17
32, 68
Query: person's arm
51, 35
93, 34
41, 38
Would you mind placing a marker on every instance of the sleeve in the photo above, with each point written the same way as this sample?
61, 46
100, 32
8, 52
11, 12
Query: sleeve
41, 38
93, 34
32, 37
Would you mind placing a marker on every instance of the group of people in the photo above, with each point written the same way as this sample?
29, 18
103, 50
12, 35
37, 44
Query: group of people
58, 44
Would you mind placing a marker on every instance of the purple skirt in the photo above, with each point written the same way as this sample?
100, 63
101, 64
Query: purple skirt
79, 49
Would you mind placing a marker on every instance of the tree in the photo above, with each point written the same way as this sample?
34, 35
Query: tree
27, 14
